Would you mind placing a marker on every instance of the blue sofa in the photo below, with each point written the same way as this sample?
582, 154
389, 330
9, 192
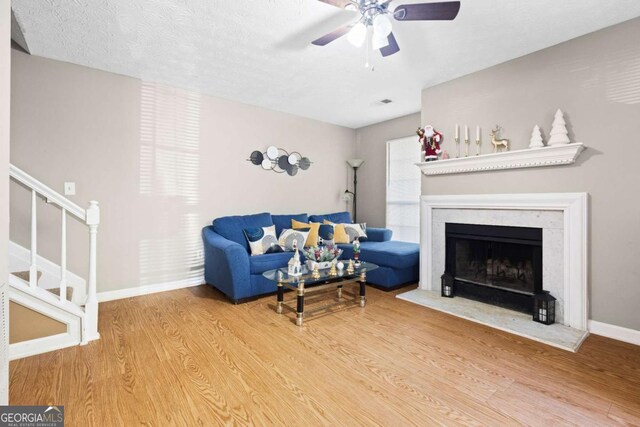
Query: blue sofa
230, 268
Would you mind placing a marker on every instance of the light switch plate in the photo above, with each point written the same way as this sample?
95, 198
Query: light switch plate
69, 188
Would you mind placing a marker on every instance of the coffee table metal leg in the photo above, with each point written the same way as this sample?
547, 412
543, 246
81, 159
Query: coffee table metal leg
363, 281
300, 308
280, 298
339, 291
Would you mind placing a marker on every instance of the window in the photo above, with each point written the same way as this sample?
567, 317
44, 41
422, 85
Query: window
403, 189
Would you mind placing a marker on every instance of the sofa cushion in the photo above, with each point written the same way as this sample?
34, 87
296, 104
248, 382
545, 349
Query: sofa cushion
260, 264
232, 227
283, 222
356, 231
339, 233
326, 233
313, 227
262, 240
290, 239
393, 253
336, 217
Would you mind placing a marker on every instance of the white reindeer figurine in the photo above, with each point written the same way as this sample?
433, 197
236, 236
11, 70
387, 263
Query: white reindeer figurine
498, 142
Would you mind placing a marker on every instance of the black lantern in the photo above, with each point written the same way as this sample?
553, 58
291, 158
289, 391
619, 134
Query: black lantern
447, 289
544, 308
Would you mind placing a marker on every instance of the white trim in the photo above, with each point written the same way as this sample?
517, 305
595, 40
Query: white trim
574, 207
527, 158
41, 345
149, 289
23, 295
42, 296
631, 336
49, 194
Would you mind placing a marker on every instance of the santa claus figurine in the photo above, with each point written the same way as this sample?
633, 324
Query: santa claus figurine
430, 140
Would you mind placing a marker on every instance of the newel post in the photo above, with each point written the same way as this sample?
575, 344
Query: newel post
91, 306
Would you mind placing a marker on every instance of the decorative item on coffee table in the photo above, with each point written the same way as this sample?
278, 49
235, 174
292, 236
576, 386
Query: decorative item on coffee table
322, 256
356, 252
315, 273
350, 267
294, 267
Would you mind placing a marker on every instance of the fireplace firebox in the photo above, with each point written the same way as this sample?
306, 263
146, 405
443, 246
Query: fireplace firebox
498, 265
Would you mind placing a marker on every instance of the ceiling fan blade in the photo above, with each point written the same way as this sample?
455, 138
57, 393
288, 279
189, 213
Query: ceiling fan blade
441, 11
333, 35
392, 47
338, 3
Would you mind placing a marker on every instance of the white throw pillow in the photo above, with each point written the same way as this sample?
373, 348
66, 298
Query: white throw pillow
355, 231
262, 240
288, 236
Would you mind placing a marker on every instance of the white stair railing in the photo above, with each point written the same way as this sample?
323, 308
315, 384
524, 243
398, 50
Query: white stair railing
91, 217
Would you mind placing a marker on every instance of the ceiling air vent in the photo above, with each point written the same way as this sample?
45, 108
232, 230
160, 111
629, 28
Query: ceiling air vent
386, 101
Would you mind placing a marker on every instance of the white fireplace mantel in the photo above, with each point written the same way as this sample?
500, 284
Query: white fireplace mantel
574, 227
528, 158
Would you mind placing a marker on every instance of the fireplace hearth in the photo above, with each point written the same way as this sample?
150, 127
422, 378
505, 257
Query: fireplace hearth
499, 265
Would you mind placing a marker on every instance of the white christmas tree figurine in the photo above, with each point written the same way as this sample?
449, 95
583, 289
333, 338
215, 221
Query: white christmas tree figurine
559, 134
536, 138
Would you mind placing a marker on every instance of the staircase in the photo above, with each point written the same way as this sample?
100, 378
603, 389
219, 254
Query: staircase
48, 288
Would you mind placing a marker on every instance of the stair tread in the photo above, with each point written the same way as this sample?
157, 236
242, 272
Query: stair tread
56, 291
24, 275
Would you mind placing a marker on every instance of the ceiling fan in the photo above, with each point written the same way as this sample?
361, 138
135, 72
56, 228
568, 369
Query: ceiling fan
377, 15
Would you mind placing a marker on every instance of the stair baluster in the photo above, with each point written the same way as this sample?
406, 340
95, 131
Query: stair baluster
33, 269
63, 257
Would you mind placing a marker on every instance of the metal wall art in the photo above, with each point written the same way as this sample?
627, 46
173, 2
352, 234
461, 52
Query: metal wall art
280, 161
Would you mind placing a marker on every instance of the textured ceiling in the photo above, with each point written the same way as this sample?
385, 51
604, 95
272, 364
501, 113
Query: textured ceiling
258, 51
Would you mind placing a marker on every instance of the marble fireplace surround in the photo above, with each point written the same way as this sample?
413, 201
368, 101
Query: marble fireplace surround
562, 217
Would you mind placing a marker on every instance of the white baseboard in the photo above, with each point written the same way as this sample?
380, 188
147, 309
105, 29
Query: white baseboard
619, 333
41, 345
149, 289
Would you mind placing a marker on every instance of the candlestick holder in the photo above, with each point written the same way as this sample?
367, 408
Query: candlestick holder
457, 147
477, 147
466, 148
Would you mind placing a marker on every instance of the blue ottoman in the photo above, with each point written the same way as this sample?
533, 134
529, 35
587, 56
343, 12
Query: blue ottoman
399, 262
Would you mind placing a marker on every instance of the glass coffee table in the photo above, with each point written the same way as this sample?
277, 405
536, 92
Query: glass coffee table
306, 284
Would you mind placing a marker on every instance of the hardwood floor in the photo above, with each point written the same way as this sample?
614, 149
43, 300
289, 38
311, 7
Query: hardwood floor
189, 357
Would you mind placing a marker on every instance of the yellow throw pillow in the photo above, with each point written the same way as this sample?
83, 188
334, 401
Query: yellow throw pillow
313, 227
339, 233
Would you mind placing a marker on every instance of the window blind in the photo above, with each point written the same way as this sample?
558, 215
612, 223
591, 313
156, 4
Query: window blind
403, 189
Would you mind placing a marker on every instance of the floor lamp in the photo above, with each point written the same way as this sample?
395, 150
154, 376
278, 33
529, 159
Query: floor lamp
355, 164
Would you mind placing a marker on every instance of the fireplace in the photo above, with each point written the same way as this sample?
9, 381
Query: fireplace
500, 265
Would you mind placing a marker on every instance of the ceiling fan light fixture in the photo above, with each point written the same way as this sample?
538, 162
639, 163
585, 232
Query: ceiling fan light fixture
357, 34
382, 26
378, 41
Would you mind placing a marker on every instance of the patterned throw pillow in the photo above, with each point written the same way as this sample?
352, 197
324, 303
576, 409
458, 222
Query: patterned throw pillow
262, 240
289, 236
339, 233
326, 234
312, 239
356, 231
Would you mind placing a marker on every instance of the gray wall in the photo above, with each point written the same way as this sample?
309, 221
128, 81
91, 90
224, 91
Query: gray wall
162, 162
371, 145
5, 86
595, 80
